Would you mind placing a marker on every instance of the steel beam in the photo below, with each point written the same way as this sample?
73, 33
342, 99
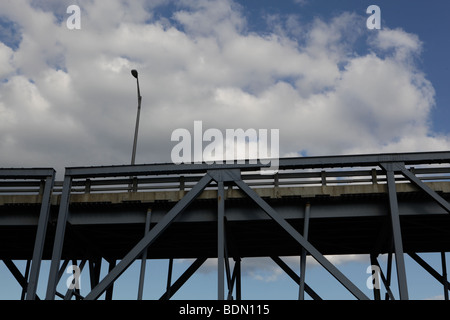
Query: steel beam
237, 271
386, 281
27, 173
169, 278
284, 163
441, 201
26, 276
220, 240
94, 271
301, 240
295, 277
110, 290
183, 278
40, 238
59, 238
396, 231
301, 293
430, 269
234, 276
148, 219
75, 291
444, 275
376, 289
48, 174
16, 273
149, 238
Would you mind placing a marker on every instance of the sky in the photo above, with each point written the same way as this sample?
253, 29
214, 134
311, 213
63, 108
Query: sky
311, 69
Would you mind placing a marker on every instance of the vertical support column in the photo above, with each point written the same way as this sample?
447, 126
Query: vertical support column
40, 238
376, 285
27, 273
396, 232
169, 279
94, 271
144, 257
237, 268
110, 290
389, 271
220, 241
59, 238
301, 293
444, 275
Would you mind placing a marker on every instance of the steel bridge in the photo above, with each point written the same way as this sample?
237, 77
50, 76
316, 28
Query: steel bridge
394, 204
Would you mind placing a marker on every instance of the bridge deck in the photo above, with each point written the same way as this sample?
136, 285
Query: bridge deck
347, 219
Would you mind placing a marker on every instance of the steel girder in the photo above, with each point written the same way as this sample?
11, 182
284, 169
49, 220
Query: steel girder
220, 176
250, 165
391, 163
48, 176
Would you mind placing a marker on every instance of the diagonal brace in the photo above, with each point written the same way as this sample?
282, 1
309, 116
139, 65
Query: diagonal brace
16, 273
428, 268
183, 278
409, 175
302, 241
295, 277
149, 238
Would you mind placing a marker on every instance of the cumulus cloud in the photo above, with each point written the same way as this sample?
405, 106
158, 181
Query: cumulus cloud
67, 97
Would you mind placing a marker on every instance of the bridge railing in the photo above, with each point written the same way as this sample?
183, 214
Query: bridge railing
285, 178
289, 178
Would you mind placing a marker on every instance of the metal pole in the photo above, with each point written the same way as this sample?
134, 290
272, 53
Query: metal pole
136, 130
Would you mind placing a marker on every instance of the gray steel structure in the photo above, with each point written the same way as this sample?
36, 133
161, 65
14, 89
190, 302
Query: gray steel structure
231, 211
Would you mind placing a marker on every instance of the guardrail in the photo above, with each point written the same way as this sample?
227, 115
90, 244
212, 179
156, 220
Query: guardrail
284, 178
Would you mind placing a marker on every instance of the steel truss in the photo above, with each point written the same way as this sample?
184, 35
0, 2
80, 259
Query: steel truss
220, 176
29, 281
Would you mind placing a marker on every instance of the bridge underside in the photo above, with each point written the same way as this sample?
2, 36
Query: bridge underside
201, 211
337, 226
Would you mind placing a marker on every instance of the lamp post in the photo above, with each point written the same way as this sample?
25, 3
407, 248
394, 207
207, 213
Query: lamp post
133, 156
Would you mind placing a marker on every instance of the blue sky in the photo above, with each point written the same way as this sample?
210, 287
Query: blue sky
67, 98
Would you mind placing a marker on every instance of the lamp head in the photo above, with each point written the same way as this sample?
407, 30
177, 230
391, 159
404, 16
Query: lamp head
134, 73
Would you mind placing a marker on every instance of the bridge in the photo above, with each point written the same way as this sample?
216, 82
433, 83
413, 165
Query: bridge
394, 204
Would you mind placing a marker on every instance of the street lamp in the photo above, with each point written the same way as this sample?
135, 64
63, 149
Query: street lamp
133, 156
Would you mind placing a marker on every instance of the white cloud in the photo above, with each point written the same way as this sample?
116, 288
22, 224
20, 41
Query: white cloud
404, 45
6, 55
203, 63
